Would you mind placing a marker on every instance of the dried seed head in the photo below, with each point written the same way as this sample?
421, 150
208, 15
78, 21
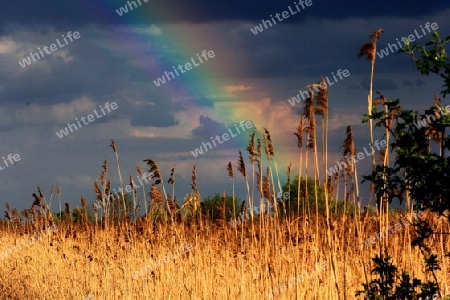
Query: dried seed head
113, 146
172, 176
241, 165
194, 178
139, 170
230, 170
299, 133
349, 143
251, 148
369, 49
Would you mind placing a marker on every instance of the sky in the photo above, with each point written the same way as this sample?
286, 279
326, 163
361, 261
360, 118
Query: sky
115, 56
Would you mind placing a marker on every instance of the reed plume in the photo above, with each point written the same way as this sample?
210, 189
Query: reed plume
156, 198
157, 179
172, 176
230, 170
134, 196
172, 182
114, 148
349, 143
58, 192
157, 176
322, 110
241, 169
349, 157
231, 175
197, 202
194, 178
251, 148
154, 169
139, 170
299, 134
270, 148
241, 166
288, 182
260, 158
309, 113
266, 187
369, 50
253, 157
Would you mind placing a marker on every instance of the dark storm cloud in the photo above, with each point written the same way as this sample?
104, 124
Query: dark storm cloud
209, 128
157, 116
380, 84
197, 11
64, 81
354, 87
407, 83
319, 47
420, 82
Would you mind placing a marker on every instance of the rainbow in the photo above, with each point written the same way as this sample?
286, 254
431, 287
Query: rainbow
169, 49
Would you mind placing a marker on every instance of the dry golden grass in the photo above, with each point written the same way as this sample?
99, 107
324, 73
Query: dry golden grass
76, 263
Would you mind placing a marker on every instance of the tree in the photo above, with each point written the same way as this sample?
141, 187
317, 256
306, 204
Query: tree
76, 215
419, 171
291, 202
217, 206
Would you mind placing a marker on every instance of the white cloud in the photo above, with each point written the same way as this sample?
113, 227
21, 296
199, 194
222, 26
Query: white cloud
8, 46
237, 88
41, 114
152, 30
64, 55
341, 120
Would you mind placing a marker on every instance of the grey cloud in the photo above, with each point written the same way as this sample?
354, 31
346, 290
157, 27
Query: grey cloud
208, 128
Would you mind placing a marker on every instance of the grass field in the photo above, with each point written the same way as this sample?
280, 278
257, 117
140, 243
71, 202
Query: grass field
282, 259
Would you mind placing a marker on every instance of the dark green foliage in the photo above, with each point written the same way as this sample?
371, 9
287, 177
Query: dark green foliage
75, 214
420, 141
432, 59
292, 200
214, 206
390, 285
117, 200
425, 170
